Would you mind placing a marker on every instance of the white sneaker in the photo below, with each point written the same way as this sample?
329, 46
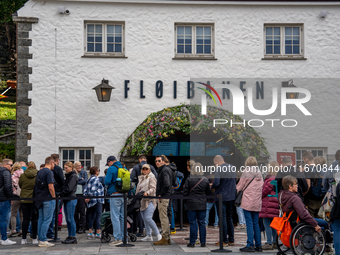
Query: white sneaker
147, 239
8, 242
116, 242
90, 236
23, 241
98, 236
45, 244
159, 237
35, 241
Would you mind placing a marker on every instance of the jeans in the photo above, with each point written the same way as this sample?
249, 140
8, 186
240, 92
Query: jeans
194, 217
270, 232
94, 215
29, 216
253, 228
50, 231
209, 206
227, 219
45, 217
69, 208
4, 209
117, 216
240, 215
172, 223
336, 240
322, 223
19, 221
150, 224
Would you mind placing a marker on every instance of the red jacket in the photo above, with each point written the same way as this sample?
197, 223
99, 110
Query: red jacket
270, 205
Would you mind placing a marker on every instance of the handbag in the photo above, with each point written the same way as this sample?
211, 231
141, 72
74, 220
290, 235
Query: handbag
238, 198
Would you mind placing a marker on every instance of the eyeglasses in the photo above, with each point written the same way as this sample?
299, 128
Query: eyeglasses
158, 161
10, 164
145, 168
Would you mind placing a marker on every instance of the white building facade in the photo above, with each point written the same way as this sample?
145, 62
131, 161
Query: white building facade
65, 48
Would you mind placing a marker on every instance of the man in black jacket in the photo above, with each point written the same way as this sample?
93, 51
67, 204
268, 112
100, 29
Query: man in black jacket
6, 192
164, 188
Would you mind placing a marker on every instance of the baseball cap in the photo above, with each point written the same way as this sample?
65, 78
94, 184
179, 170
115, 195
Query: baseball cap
111, 158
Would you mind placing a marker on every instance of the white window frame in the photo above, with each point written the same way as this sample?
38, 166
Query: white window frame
282, 54
303, 149
194, 49
76, 155
104, 39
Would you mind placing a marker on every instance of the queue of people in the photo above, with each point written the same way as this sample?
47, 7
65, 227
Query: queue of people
298, 190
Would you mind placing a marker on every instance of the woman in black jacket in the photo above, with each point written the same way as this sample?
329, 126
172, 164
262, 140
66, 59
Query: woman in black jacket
196, 186
69, 190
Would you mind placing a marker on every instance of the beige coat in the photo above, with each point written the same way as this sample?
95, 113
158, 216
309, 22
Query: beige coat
147, 183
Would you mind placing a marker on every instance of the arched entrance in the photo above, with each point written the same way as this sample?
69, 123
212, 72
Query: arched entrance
183, 124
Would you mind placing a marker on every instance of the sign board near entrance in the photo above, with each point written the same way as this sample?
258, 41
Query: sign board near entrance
283, 154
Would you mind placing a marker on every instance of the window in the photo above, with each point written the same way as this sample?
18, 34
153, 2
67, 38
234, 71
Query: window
104, 39
316, 152
284, 41
194, 40
83, 155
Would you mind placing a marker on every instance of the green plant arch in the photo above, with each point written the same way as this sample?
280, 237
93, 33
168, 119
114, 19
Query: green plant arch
188, 119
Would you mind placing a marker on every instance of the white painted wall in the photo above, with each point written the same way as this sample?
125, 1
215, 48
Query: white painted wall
65, 111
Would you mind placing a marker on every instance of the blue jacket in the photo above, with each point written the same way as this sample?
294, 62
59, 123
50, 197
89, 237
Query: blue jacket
225, 184
82, 174
111, 177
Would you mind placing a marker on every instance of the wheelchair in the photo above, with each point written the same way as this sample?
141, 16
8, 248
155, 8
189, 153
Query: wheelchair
304, 239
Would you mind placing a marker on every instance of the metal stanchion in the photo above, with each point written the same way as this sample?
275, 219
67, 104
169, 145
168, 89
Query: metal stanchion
181, 217
125, 244
220, 222
56, 239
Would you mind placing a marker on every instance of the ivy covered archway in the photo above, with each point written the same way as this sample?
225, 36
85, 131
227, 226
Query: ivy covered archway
188, 119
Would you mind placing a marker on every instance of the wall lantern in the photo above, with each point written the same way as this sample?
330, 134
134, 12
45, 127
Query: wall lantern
103, 91
290, 84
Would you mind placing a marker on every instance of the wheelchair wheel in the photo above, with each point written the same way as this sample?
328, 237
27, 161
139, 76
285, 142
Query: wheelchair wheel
105, 238
282, 249
133, 238
305, 240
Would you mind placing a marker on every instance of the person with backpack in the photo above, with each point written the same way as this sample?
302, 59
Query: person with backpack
116, 203
316, 192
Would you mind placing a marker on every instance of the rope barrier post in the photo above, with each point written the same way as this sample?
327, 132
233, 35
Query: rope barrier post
181, 217
220, 223
56, 239
125, 244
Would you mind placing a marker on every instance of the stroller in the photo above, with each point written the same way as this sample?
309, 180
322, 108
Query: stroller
133, 205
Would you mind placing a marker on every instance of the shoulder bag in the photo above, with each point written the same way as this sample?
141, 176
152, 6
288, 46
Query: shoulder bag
238, 198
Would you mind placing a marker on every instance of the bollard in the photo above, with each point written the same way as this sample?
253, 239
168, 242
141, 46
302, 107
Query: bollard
56, 239
220, 223
181, 217
125, 244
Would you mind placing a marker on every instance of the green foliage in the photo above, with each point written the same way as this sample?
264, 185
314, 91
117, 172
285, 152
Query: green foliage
188, 119
8, 7
7, 111
3, 85
7, 150
6, 130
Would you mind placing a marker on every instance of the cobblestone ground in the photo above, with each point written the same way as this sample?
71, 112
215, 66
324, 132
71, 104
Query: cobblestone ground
84, 246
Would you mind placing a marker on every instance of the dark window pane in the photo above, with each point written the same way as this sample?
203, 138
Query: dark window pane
98, 38
109, 38
180, 39
315, 153
187, 48
320, 152
269, 31
288, 31
188, 40
276, 40
199, 40
199, 49
90, 47
65, 154
288, 50
118, 29
298, 154
88, 165
81, 154
276, 31
118, 48
110, 47
296, 40
207, 49
64, 161
82, 162
207, 31
207, 40
88, 154
269, 50
99, 29
277, 50
288, 40
269, 40
90, 38
71, 154
98, 47
180, 49
110, 29
188, 30
296, 50
90, 28
118, 38
296, 30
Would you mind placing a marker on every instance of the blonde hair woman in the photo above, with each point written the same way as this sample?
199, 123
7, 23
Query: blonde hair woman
251, 183
16, 172
147, 183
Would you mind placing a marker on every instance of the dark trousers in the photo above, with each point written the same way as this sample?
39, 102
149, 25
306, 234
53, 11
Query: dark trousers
29, 215
94, 213
197, 218
79, 214
137, 222
227, 217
